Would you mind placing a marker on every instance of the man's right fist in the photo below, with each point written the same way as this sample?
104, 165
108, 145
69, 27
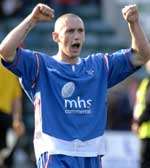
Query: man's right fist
42, 12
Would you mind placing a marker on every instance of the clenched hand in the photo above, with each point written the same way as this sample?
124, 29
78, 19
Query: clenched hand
130, 13
42, 12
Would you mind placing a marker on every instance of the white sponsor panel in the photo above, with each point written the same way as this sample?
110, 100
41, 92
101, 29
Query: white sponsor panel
122, 150
76, 105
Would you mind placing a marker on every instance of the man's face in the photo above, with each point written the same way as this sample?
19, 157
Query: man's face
71, 37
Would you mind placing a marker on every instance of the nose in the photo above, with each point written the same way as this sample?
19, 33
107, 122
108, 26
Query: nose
76, 35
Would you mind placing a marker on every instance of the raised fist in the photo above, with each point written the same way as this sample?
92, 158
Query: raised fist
42, 12
130, 13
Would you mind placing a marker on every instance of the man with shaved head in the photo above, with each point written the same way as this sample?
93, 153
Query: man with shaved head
69, 34
70, 93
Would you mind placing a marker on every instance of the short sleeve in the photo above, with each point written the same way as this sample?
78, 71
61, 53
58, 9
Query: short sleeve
120, 66
25, 66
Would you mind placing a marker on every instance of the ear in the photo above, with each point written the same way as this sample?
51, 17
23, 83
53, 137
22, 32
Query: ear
55, 36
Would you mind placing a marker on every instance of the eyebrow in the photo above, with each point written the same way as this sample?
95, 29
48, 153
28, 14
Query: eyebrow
72, 29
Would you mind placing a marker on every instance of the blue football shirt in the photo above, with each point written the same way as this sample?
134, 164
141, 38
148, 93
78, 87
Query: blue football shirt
70, 99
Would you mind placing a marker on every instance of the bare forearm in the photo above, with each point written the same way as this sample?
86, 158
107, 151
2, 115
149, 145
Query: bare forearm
15, 38
139, 43
41, 12
17, 109
18, 124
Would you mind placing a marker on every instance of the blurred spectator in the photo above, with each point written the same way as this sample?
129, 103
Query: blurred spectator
10, 7
64, 6
10, 112
27, 140
96, 2
141, 119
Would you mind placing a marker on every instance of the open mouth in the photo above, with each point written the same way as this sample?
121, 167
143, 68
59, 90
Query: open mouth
75, 45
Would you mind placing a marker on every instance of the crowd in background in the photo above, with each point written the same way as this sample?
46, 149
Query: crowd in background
15, 8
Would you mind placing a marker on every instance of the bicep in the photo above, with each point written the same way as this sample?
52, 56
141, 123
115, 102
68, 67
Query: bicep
136, 59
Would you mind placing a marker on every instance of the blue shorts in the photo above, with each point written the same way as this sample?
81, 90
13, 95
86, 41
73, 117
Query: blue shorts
63, 161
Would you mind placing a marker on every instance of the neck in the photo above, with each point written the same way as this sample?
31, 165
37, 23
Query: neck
67, 59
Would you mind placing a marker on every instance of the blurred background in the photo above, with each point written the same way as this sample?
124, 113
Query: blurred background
106, 31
